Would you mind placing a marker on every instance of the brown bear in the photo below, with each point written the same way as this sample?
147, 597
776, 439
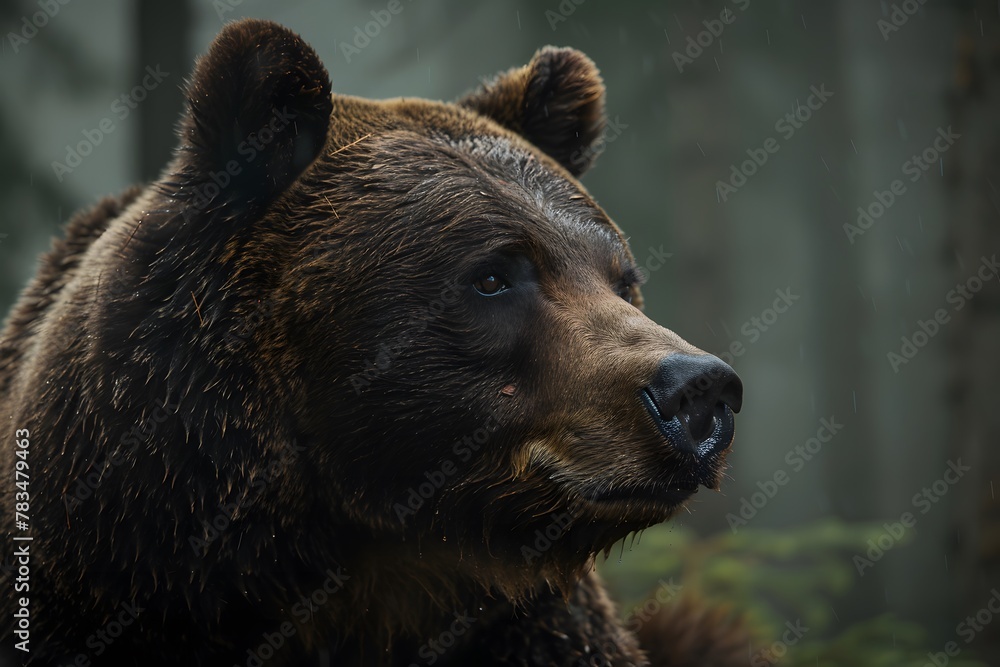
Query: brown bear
353, 382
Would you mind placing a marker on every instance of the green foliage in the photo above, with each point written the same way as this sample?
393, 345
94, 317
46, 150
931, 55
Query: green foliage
776, 578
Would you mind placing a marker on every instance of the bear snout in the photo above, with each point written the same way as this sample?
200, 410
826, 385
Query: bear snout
692, 398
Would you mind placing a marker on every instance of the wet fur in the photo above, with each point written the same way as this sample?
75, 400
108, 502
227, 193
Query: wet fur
131, 318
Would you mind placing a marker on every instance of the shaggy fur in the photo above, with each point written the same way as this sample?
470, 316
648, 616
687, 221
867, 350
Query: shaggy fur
265, 394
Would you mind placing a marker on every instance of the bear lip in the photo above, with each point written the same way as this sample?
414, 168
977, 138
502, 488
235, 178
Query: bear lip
671, 494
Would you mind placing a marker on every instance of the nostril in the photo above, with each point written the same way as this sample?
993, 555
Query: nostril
698, 417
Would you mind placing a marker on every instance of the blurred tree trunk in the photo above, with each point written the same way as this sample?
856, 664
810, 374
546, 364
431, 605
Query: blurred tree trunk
161, 41
974, 191
901, 279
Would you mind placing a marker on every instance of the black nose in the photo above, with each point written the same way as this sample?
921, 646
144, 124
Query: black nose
692, 398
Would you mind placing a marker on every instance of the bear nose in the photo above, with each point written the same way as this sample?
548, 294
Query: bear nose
692, 399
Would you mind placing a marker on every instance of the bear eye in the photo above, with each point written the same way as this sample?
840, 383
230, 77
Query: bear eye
625, 292
490, 285
632, 278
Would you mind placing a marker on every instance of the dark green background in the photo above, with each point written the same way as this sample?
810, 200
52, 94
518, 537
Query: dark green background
677, 134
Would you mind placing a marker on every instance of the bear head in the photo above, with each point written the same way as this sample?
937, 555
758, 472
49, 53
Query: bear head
426, 302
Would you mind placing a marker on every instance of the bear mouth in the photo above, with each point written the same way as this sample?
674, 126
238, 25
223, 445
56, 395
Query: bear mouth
669, 495
686, 464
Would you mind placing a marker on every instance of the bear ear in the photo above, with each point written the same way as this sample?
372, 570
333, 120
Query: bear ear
258, 111
556, 102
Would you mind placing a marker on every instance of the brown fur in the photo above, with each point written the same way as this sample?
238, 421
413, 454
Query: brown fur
204, 340
55, 269
693, 632
556, 102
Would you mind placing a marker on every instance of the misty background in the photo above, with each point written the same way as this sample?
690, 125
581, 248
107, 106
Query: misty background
744, 137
